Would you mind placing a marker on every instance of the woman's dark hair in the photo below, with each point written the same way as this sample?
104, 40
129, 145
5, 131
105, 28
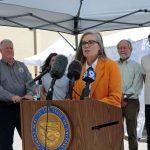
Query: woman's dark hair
102, 54
47, 61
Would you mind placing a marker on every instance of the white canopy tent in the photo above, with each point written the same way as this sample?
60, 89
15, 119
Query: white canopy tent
75, 16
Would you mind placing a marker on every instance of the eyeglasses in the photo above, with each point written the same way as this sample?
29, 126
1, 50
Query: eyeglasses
89, 43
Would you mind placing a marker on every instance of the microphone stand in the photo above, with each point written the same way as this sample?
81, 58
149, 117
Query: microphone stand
86, 91
31, 83
71, 85
50, 90
38, 89
49, 96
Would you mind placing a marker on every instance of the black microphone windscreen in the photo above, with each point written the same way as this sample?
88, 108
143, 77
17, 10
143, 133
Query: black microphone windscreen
59, 66
74, 70
89, 75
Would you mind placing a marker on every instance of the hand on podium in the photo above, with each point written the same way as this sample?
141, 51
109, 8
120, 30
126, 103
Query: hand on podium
27, 97
16, 99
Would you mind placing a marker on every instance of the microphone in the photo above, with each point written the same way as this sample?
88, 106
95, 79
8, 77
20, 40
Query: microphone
59, 67
57, 71
74, 71
89, 76
32, 82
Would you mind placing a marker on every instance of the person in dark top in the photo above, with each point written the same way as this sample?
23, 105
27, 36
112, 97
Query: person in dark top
14, 77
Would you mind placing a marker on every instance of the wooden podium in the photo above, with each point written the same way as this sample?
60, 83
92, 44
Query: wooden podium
95, 125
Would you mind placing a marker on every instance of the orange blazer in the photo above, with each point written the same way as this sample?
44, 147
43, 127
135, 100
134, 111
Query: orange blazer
107, 87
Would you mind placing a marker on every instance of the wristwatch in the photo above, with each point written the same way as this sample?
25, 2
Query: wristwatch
125, 96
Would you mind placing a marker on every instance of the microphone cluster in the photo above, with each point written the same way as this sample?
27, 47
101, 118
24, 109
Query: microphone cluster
58, 69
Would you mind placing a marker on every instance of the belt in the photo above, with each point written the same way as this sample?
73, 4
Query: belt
131, 99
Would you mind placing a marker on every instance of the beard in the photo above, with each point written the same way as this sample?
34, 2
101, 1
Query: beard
124, 56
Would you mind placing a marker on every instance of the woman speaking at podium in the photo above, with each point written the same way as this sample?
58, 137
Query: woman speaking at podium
107, 85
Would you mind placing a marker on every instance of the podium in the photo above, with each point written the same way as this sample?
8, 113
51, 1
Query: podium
94, 125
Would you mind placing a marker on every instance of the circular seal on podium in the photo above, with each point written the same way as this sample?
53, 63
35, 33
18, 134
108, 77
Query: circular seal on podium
51, 129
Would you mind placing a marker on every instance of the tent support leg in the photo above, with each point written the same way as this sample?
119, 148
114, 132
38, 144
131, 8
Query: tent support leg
35, 49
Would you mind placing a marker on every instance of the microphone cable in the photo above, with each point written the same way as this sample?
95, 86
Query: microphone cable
57, 71
76, 92
48, 105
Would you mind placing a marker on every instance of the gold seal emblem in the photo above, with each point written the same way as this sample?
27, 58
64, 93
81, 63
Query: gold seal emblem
52, 129
54, 134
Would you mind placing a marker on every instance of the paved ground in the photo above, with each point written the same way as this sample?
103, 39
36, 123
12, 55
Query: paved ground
18, 145
17, 142
141, 145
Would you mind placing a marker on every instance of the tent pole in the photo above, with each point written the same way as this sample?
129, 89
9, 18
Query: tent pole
76, 42
35, 49
67, 41
76, 22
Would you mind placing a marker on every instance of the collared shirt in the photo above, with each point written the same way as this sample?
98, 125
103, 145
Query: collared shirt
13, 80
61, 86
132, 80
145, 63
93, 65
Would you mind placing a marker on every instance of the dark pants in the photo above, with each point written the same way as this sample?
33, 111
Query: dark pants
9, 119
130, 112
147, 123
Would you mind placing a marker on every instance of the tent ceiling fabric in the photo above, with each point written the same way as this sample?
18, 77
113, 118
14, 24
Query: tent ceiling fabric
75, 16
